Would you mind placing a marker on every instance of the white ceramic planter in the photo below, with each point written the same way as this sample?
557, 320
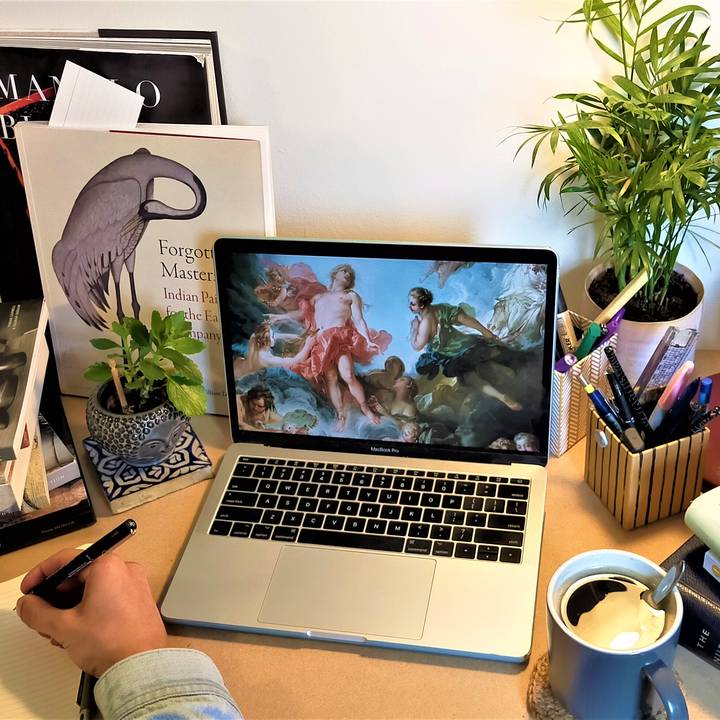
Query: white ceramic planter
638, 340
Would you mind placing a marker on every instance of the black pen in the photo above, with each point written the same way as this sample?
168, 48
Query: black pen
46, 589
621, 402
699, 423
641, 419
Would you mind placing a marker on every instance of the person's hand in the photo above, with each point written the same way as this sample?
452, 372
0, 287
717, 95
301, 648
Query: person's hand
414, 325
116, 617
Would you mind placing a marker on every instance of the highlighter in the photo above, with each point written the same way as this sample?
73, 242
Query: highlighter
593, 332
670, 394
565, 362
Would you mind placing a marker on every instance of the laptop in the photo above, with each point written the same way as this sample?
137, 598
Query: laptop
389, 407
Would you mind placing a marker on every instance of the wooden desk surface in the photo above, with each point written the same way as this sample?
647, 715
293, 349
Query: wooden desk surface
285, 678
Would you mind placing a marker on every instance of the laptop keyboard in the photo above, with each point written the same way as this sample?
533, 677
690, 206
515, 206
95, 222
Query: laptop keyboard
418, 512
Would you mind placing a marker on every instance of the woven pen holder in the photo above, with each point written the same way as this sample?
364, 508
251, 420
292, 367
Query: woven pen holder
570, 404
640, 488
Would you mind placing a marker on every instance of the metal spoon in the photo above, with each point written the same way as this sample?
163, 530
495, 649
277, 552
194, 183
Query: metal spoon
654, 597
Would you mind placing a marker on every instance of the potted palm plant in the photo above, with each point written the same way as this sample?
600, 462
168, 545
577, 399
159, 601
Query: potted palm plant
644, 154
148, 388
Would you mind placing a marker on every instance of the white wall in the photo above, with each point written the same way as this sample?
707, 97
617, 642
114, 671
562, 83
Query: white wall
386, 119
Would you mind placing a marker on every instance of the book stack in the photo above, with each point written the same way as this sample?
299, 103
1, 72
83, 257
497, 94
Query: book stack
39, 475
700, 591
23, 360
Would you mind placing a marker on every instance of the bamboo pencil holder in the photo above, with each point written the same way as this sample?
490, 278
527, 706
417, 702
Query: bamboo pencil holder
640, 488
570, 404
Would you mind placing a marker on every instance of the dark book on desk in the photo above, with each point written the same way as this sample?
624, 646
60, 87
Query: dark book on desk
178, 78
126, 486
70, 506
700, 631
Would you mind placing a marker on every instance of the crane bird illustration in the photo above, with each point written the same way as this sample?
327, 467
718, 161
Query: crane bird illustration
105, 225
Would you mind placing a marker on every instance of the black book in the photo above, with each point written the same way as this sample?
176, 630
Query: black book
210, 35
700, 630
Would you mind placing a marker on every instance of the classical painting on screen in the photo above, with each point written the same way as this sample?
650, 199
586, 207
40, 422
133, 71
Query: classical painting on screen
408, 351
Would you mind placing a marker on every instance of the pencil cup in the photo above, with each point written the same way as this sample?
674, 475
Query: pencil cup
570, 404
640, 488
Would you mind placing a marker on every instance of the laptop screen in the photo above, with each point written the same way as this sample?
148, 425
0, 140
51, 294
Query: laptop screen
387, 348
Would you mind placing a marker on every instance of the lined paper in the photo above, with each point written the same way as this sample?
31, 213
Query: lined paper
37, 679
87, 100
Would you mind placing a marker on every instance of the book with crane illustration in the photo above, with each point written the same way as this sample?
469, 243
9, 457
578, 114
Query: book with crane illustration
124, 223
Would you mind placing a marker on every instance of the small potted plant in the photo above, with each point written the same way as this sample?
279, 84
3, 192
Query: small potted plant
149, 388
644, 152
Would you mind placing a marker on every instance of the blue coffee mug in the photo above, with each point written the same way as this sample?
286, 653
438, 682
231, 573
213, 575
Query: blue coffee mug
596, 683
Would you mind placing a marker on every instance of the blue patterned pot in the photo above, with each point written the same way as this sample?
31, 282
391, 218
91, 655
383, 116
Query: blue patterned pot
141, 439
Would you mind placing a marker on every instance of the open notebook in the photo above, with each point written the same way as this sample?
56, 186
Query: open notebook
37, 679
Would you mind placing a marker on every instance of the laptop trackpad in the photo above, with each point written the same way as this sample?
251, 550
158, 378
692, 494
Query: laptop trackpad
349, 592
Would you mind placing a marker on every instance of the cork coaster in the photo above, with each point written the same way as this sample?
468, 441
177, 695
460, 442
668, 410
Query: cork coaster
543, 705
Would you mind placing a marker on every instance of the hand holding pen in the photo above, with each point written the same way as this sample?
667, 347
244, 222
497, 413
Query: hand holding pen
115, 618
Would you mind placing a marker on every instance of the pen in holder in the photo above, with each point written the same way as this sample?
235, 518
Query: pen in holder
569, 405
639, 488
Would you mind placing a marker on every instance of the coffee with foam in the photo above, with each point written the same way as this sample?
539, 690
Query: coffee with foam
607, 611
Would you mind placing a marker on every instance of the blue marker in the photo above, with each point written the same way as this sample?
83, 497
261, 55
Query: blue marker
604, 410
704, 393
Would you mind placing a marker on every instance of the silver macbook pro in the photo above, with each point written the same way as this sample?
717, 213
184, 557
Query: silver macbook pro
390, 408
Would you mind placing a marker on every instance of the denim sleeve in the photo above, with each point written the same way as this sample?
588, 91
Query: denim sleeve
168, 684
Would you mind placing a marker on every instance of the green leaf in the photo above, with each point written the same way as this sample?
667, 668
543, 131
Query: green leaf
188, 346
654, 53
188, 399
183, 365
673, 13
104, 343
151, 371
641, 71
667, 203
98, 372
608, 50
672, 98
631, 88
119, 329
139, 333
182, 380
695, 177
156, 324
176, 325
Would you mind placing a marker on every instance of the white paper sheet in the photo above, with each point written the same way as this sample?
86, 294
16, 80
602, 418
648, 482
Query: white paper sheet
87, 100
